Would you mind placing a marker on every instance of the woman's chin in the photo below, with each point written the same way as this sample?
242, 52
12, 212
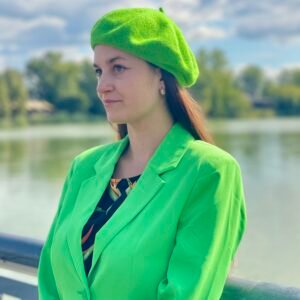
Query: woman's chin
114, 119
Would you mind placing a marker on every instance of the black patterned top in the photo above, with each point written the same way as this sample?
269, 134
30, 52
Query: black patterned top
112, 198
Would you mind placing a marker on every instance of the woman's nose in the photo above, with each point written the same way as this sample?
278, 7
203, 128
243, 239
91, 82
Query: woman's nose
104, 85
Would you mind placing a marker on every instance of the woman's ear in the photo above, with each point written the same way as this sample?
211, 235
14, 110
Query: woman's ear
158, 72
162, 87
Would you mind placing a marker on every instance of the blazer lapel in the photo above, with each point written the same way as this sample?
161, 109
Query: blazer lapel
90, 192
166, 157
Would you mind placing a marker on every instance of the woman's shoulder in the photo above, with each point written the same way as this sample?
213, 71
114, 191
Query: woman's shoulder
209, 157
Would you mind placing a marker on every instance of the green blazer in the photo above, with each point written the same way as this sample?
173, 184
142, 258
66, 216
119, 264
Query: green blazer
174, 236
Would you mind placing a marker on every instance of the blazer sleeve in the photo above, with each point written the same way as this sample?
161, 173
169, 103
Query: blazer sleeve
209, 231
47, 289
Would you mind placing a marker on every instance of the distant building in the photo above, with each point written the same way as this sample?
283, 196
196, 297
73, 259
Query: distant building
38, 106
262, 102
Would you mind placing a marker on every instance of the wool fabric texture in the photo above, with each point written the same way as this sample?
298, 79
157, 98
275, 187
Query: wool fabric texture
150, 35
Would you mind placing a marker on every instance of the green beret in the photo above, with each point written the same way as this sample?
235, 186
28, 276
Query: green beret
150, 35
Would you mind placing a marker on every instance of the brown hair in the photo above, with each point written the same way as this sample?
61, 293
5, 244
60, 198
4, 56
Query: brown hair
183, 108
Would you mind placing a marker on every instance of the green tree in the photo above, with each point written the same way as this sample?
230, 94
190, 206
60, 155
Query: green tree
58, 82
286, 99
252, 80
17, 93
70, 96
5, 108
216, 88
42, 76
88, 84
290, 77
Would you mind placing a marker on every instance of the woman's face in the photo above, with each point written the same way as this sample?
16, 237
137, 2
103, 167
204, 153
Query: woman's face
129, 81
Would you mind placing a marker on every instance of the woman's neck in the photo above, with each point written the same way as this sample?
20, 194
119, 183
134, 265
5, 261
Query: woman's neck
143, 141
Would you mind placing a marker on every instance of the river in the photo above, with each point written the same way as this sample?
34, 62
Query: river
34, 160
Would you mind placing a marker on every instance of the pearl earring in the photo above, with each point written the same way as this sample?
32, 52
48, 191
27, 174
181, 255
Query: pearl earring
162, 91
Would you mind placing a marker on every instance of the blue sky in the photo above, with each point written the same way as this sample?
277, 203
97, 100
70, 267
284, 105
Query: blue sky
265, 33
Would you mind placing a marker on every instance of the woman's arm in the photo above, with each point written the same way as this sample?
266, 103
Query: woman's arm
210, 228
46, 282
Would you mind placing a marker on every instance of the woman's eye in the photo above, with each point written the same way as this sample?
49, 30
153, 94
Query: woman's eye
119, 68
98, 72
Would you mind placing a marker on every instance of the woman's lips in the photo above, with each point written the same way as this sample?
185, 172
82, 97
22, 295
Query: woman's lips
110, 102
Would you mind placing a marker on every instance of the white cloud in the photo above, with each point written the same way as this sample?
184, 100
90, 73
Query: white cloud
70, 53
26, 7
206, 32
18, 26
47, 21
29, 8
276, 21
290, 66
3, 65
40, 25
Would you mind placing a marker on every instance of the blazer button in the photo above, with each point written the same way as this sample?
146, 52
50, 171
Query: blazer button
83, 294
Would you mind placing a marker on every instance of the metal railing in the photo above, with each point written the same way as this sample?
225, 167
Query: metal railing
22, 255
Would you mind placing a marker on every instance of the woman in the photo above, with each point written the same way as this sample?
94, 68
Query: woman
159, 213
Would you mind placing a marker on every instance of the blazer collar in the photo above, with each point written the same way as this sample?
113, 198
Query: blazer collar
166, 156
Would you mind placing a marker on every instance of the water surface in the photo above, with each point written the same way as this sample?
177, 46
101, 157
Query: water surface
34, 161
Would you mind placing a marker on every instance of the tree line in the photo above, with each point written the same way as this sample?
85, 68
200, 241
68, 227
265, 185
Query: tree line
70, 87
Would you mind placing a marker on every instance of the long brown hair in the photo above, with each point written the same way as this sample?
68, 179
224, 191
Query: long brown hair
183, 108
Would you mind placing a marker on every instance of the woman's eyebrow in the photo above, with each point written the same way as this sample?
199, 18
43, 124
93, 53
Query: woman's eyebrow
111, 60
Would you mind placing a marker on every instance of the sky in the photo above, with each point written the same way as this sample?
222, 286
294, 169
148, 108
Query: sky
264, 33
